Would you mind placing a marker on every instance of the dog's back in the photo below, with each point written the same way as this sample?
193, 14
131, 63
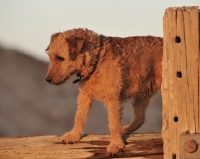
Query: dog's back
139, 60
141, 63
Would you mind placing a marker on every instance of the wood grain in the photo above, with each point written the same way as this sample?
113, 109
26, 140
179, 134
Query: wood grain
180, 87
141, 146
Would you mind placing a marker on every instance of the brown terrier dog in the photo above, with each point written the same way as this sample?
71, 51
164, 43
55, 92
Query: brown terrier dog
110, 69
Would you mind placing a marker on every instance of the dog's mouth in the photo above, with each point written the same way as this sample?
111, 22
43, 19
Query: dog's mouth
78, 79
63, 81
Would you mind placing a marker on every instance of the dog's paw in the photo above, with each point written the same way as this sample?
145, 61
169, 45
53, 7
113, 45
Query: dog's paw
114, 148
70, 138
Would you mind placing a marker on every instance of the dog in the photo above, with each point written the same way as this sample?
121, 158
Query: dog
110, 69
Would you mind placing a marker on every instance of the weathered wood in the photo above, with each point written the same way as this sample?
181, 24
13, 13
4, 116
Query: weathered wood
180, 86
141, 146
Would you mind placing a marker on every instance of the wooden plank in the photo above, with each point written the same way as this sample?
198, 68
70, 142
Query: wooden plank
180, 86
140, 146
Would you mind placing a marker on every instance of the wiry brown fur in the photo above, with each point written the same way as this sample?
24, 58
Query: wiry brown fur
112, 69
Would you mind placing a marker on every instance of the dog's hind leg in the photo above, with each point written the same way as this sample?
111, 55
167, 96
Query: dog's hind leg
139, 107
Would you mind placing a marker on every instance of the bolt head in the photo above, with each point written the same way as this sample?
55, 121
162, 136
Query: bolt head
191, 146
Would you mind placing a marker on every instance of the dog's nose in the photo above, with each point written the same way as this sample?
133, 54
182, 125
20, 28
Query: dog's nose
48, 79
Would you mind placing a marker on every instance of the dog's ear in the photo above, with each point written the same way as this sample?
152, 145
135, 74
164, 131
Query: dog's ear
75, 46
52, 39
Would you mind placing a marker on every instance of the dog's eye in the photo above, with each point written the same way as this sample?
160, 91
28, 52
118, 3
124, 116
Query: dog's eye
59, 58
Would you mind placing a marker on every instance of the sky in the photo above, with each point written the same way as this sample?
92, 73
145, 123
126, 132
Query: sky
28, 25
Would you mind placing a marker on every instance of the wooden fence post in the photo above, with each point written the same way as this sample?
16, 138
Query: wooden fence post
181, 80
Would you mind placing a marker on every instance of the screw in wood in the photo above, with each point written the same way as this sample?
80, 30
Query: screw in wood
191, 146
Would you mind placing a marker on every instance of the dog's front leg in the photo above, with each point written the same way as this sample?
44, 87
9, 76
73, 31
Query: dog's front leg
84, 106
115, 116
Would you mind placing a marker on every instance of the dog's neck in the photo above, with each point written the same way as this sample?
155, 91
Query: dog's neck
82, 77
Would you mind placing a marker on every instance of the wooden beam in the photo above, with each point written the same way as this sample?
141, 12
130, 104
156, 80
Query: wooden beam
181, 77
141, 146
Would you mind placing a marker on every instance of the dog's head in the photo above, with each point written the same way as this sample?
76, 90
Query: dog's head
63, 53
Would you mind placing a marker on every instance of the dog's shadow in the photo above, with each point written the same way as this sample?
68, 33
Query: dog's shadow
125, 138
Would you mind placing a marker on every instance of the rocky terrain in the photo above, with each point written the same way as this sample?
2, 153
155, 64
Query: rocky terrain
31, 106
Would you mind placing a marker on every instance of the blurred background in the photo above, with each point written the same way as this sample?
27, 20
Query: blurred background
31, 106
